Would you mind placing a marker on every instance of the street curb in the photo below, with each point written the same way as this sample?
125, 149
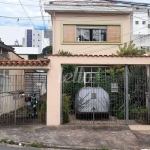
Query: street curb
54, 147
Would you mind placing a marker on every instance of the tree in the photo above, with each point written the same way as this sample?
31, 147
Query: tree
137, 83
126, 50
48, 49
129, 50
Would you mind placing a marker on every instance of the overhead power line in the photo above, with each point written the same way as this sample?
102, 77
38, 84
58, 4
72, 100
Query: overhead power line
93, 51
40, 4
31, 21
128, 33
113, 38
18, 4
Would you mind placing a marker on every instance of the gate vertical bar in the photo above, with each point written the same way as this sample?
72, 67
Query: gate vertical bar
148, 93
127, 95
15, 97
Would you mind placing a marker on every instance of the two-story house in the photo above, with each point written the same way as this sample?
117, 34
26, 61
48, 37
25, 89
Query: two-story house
89, 28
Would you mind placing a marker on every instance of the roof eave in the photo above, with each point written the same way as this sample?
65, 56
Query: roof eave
7, 48
121, 10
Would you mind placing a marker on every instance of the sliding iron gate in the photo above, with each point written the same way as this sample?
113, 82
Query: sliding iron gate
95, 98
23, 99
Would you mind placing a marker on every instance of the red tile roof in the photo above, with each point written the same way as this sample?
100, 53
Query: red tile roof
42, 62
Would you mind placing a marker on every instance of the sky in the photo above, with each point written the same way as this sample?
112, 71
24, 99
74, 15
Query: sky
16, 10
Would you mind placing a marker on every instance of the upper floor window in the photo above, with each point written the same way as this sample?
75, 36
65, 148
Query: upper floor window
143, 22
136, 22
91, 33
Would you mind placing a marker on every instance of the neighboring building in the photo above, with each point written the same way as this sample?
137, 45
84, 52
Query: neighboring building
88, 28
141, 27
10, 34
26, 37
7, 53
48, 34
29, 53
35, 38
8, 80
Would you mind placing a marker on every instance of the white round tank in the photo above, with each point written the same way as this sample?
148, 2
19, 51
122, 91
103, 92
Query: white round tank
89, 98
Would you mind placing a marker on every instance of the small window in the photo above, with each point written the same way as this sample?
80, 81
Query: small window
143, 22
136, 22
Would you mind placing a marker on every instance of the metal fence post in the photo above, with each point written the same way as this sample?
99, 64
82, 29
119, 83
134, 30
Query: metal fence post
15, 98
127, 98
148, 93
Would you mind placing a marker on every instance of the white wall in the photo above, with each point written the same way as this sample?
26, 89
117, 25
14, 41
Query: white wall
26, 50
141, 40
37, 39
140, 28
7, 103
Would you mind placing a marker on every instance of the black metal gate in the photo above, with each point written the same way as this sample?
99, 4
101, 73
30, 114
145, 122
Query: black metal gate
23, 99
98, 97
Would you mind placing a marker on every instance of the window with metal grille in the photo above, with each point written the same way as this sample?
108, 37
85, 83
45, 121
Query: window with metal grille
92, 33
89, 75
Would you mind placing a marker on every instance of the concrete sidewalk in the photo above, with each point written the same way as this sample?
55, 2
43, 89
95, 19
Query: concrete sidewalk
110, 136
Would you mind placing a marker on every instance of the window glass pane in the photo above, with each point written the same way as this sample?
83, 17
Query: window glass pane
103, 35
96, 35
83, 35
143, 22
88, 84
88, 77
1, 72
87, 69
94, 69
136, 22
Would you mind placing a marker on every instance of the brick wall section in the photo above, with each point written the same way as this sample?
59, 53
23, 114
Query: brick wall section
69, 33
114, 34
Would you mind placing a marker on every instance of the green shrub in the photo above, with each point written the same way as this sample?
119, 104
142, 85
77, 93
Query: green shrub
3, 140
66, 108
42, 112
11, 142
37, 145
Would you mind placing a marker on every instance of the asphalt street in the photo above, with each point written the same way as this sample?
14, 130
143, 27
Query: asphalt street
23, 148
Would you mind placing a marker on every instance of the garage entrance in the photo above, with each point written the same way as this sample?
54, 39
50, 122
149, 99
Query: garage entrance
23, 96
98, 94
23, 99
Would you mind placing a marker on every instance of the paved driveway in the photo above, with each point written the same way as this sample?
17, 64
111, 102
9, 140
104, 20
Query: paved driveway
111, 136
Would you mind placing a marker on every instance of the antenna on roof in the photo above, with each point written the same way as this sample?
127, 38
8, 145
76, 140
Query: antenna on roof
16, 42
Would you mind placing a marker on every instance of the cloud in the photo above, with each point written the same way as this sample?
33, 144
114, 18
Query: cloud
17, 11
